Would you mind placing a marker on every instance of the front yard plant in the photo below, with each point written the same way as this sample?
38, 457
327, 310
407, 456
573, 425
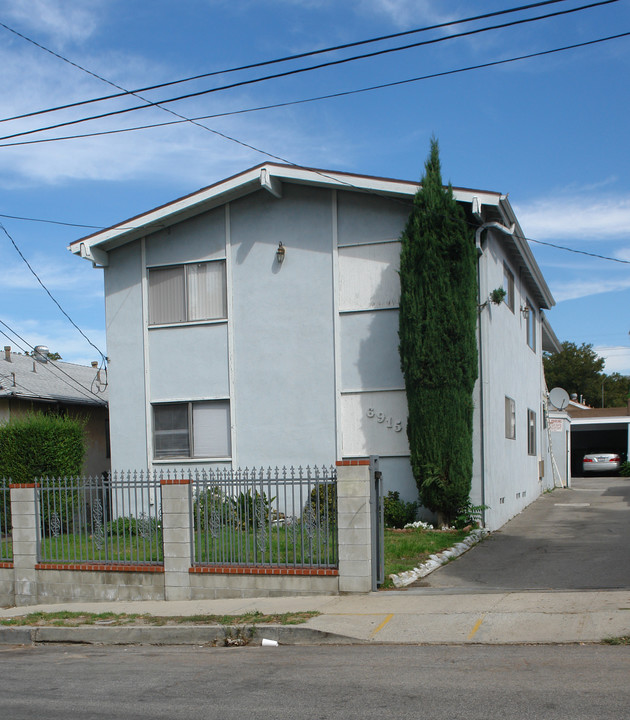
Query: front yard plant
409, 548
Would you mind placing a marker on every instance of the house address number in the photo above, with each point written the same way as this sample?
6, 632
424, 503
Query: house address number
390, 422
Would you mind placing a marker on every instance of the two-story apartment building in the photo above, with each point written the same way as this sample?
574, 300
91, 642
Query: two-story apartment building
255, 322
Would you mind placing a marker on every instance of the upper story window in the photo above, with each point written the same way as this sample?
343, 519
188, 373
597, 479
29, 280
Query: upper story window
531, 325
508, 286
186, 293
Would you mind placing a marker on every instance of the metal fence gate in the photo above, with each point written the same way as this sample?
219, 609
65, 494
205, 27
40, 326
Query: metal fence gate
377, 524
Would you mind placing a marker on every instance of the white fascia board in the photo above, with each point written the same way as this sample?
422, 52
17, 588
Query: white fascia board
170, 213
367, 183
522, 246
550, 335
268, 176
610, 420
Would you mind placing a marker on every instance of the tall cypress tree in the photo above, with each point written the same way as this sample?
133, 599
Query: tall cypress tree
438, 347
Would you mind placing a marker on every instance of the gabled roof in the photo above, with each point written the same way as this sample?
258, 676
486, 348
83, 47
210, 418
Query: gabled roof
491, 206
24, 377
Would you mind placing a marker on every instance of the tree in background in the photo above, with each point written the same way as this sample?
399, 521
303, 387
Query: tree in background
438, 347
579, 369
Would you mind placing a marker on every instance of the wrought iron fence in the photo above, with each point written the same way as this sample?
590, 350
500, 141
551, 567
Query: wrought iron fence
105, 520
6, 544
281, 518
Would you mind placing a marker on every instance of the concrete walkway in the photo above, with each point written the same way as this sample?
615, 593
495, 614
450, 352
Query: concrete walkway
383, 617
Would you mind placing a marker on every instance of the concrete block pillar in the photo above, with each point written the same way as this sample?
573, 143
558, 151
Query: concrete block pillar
354, 525
176, 538
24, 522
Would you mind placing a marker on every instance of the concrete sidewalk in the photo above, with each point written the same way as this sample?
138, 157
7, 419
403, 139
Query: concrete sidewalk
385, 617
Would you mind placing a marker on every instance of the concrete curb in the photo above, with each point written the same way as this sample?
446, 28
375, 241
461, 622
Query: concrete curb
215, 635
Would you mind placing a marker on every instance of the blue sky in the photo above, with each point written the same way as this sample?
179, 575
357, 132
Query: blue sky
551, 131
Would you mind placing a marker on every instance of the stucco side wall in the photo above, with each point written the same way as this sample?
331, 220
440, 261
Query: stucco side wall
125, 347
283, 402
511, 369
373, 403
205, 373
194, 240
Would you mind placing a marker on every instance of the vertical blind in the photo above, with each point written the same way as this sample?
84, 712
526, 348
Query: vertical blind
211, 429
187, 292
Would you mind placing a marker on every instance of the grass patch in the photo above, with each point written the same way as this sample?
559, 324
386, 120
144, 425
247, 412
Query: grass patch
110, 619
621, 640
407, 549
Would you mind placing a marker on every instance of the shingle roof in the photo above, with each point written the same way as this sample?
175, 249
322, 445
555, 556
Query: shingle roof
24, 377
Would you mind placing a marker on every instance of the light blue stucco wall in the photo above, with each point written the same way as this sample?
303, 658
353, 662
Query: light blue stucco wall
282, 319
125, 347
193, 240
512, 369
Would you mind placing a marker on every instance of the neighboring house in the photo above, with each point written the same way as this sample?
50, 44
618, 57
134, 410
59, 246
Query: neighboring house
37, 384
255, 323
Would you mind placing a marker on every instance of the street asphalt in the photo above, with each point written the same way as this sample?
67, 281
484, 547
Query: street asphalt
557, 573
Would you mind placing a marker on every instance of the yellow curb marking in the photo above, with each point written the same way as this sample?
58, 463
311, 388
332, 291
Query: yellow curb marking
476, 627
382, 625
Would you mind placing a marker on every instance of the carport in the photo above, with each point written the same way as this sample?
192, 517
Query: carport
598, 430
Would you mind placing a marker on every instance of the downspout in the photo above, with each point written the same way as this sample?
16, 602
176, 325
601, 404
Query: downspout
481, 304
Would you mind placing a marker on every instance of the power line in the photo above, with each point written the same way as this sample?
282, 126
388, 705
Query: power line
250, 66
50, 295
578, 252
80, 387
329, 96
186, 96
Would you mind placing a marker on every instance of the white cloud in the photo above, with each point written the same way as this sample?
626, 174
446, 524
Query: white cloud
56, 276
617, 358
63, 21
579, 288
405, 12
576, 217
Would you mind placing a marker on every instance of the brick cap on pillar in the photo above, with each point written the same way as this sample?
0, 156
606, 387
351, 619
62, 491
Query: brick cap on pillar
175, 482
351, 463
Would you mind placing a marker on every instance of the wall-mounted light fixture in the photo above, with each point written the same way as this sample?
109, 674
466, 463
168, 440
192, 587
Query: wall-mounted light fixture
525, 309
280, 253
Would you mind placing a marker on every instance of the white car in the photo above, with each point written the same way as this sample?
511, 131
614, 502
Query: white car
601, 462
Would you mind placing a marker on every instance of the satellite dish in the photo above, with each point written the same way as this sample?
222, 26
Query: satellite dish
559, 398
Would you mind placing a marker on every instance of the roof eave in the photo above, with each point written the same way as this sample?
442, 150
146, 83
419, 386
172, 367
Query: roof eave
545, 298
94, 247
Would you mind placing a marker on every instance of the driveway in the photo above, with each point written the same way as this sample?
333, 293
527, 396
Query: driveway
574, 539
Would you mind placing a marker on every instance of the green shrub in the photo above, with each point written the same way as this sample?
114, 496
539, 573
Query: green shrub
397, 512
143, 525
250, 505
38, 446
323, 501
469, 514
44, 448
625, 469
213, 502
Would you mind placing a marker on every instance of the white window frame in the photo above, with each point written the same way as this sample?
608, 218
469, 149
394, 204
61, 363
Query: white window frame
531, 324
194, 423
531, 432
510, 418
187, 313
508, 286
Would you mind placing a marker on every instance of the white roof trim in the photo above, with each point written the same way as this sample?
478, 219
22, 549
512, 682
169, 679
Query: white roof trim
268, 176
